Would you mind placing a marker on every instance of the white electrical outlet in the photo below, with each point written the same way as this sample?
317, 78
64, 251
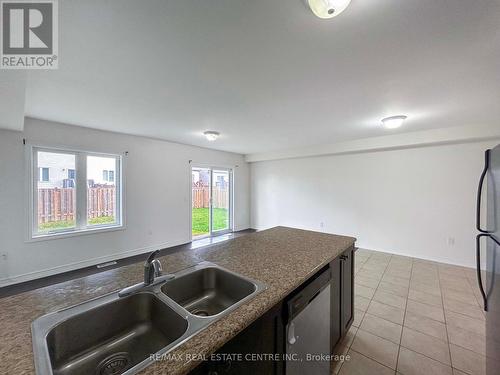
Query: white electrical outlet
451, 241
321, 225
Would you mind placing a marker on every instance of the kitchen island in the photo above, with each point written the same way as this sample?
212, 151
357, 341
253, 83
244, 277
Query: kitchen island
281, 258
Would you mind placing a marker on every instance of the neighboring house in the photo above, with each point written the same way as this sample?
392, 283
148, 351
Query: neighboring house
220, 180
201, 175
101, 170
58, 170
55, 170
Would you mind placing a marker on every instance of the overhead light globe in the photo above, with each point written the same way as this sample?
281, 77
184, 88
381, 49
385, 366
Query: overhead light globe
393, 122
211, 135
328, 8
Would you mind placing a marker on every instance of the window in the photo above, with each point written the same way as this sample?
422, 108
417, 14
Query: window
101, 194
108, 176
44, 174
76, 195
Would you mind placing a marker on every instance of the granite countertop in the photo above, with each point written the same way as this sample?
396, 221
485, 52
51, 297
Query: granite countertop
282, 258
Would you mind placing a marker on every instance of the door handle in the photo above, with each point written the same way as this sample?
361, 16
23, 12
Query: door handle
485, 293
480, 190
291, 334
478, 268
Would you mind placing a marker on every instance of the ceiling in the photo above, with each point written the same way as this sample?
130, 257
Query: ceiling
268, 74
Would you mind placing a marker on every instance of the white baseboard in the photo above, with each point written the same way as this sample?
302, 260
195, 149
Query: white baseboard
85, 263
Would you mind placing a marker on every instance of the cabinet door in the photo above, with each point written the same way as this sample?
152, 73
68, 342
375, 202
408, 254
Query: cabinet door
336, 322
264, 336
347, 289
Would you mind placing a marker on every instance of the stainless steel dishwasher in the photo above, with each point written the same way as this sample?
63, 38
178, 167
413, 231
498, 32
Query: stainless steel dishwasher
308, 328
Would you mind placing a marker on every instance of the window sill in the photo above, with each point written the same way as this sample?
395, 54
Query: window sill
81, 232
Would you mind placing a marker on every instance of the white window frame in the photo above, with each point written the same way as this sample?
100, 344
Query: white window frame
81, 226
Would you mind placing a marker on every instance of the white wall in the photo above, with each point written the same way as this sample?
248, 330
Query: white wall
156, 216
408, 202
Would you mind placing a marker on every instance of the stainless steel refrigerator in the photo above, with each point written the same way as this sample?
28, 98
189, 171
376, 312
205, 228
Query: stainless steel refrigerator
487, 253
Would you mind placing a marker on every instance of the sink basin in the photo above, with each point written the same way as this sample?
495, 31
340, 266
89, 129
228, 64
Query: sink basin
208, 291
113, 335
112, 338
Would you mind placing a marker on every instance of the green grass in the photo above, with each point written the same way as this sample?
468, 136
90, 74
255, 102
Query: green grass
200, 220
56, 225
102, 220
65, 224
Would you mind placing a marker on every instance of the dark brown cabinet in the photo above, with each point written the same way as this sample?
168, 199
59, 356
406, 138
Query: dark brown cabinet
347, 290
248, 353
342, 298
335, 307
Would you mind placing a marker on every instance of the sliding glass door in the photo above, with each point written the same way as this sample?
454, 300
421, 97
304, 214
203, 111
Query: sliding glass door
221, 193
211, 201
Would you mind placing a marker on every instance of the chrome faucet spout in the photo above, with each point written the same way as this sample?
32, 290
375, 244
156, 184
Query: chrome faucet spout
152, 268
152, 276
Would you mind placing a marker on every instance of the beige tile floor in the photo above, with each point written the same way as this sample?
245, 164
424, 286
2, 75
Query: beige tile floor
413, 317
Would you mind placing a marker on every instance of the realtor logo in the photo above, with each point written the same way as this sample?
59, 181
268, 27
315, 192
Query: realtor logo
29, 34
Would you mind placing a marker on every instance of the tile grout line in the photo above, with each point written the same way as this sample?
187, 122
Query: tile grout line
479, 301
364, 313
447, 334
399, 346
374, 360
413, 350
445, 325
404, 318
439, 274
354, 312
445, 321
422, 354
465, 316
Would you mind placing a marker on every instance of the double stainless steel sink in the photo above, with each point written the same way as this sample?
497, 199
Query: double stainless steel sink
114, 335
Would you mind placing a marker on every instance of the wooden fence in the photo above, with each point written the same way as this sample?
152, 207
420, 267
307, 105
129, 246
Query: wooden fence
57, 204
201, 196
101, 202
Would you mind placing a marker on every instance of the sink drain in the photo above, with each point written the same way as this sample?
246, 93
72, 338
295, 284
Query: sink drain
200, 312
114, 364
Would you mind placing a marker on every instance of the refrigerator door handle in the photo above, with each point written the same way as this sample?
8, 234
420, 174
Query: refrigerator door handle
480, 190
478, 268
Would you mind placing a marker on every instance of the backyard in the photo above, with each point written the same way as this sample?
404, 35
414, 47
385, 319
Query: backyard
200, 220
63, 224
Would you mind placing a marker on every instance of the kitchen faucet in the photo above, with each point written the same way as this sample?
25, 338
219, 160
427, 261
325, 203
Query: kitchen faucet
152, 276
152, 268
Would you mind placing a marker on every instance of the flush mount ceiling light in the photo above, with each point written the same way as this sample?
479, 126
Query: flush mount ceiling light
211, 135
328, 8
393, 122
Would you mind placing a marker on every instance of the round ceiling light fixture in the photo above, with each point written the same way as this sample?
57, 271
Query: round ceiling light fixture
393, 122
211, 135
328, 8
